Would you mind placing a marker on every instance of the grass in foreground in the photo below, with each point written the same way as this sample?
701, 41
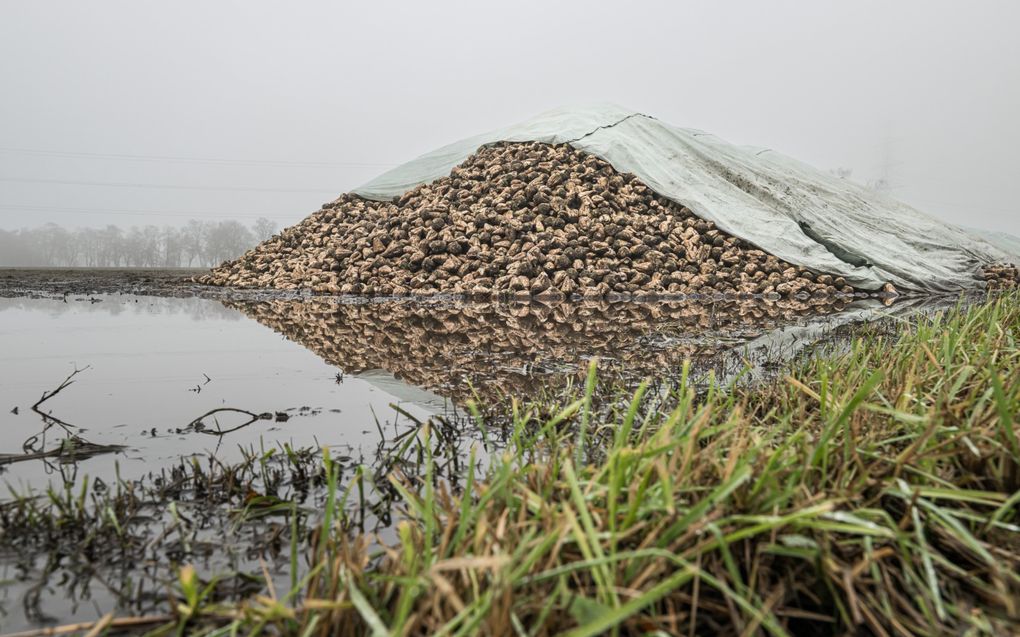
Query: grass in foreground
875, 490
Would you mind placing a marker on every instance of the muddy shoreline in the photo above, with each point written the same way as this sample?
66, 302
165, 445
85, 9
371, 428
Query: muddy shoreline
63, 282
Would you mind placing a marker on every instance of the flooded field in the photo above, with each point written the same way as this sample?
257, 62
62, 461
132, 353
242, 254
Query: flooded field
192, 415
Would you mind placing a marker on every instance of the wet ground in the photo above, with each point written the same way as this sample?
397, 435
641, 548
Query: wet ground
116, 376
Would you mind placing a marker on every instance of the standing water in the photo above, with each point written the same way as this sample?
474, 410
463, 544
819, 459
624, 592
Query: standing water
184, 425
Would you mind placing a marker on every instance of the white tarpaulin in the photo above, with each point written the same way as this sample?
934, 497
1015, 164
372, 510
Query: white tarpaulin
800, 214
1001, 240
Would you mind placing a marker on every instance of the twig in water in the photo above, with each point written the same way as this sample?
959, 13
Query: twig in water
71, 449
48, 418
198, 425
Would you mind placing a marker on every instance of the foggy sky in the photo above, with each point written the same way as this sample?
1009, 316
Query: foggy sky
297, 102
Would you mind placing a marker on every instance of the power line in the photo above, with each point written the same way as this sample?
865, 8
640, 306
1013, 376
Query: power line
142, 213
199, 160
116, 184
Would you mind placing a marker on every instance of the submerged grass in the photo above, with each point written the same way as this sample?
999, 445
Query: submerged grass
873, 490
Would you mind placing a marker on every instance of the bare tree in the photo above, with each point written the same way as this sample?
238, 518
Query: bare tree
263, 229
195, 241
227, 240
112, 244
172, 247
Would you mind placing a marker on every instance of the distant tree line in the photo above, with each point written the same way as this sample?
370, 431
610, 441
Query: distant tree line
196, 244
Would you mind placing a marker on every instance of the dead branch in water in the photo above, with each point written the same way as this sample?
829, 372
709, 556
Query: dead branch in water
48, 418
198, 425
71, 449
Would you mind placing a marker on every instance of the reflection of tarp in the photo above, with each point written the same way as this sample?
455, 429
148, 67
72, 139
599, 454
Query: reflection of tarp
777, 345
797, 213
404, 392
786, 342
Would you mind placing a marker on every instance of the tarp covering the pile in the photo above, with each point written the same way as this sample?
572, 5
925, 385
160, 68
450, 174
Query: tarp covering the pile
796, 212
1004, 241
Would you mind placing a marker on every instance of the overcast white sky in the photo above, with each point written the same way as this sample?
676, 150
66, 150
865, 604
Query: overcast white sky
304, 100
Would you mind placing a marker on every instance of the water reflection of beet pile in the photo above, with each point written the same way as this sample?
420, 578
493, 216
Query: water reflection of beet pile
510, 349
521, 219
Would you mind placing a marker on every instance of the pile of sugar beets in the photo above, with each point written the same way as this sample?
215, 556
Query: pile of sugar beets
523, 220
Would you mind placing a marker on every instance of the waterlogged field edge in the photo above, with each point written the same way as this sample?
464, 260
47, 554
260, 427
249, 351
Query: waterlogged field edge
873, 488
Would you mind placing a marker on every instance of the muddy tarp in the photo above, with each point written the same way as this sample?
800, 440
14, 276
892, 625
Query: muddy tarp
800, 214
